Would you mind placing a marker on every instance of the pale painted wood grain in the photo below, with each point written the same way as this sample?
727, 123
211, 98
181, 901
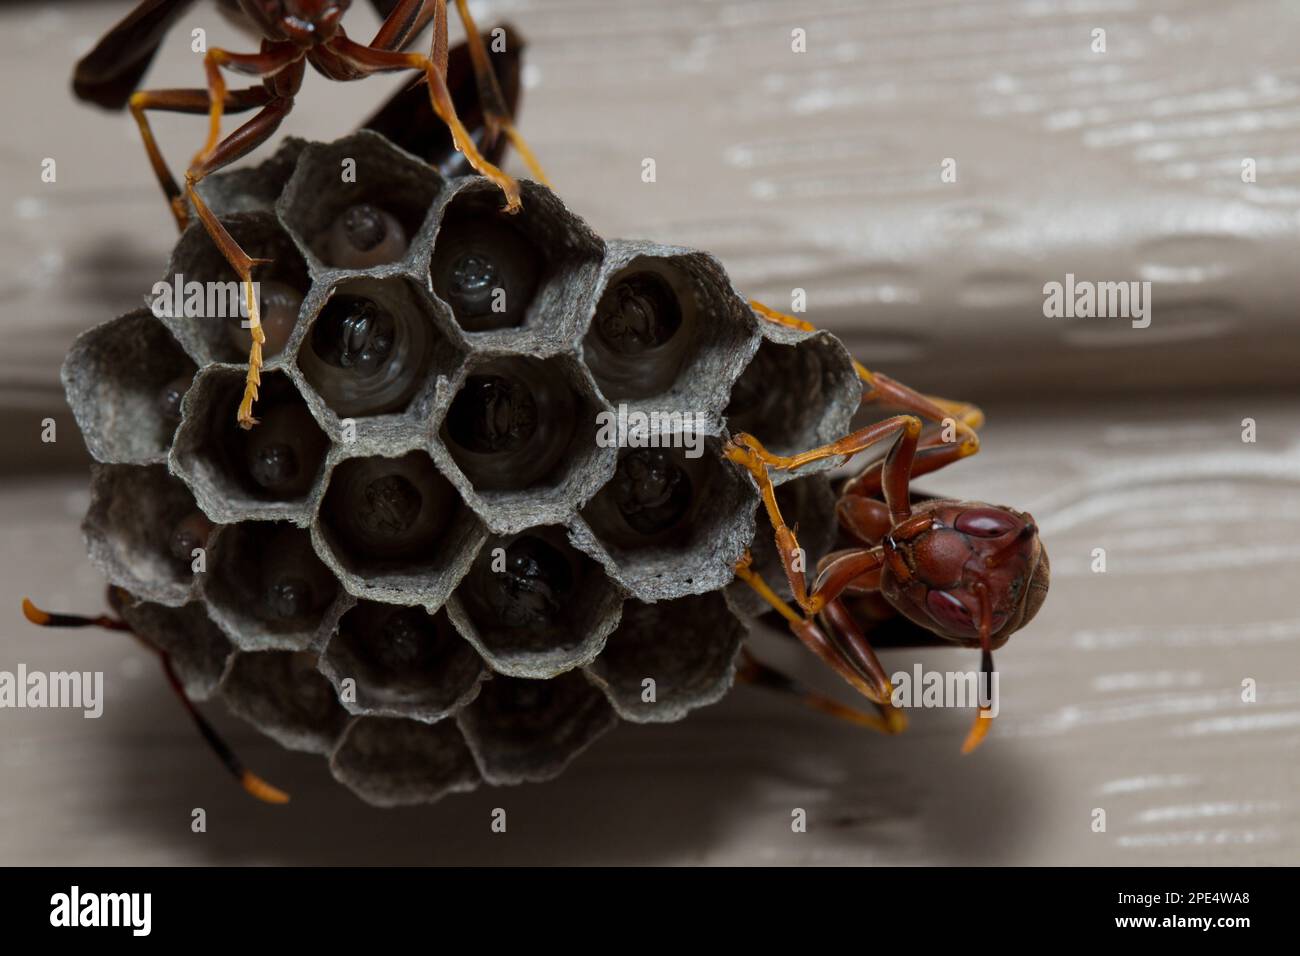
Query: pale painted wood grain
1124, 692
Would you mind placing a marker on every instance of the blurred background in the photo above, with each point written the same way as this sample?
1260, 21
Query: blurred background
820, 171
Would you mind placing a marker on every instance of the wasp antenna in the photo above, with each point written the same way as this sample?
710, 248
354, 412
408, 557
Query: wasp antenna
259, 788
984, 719
49, 619
251, 782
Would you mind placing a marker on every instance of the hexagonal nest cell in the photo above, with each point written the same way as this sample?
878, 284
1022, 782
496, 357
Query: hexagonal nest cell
673, 520
201, 300
403, 661
432, 560
267, 588
376, 347
535, 606
129, 370
286, 697
521, 730
521, 432
500, 273
198, 650
668, 658
267, 471
799, 392
142, 529
358, 202
395, 529
390, 763
668, 332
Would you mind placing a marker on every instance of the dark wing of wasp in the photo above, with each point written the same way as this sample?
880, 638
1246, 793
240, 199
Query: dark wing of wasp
409, 121
111, 72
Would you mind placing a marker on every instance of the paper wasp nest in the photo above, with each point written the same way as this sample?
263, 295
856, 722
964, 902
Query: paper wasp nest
428, 563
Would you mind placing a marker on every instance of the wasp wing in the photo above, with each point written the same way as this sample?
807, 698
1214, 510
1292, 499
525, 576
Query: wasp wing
111, 72
409, 121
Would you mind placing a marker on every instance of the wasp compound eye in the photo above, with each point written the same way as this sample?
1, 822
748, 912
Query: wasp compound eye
486, 271
651, 491
363, 236
510, 424
279, 304
986, 523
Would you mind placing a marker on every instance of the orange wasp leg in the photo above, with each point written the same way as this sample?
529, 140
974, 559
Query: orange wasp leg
885, 390
748, 452
495, 113
808, 632
371, 60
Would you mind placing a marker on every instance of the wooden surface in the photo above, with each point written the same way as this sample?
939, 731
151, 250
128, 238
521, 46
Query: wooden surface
813, 172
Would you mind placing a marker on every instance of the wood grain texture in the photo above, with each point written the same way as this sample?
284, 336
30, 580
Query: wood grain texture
819, 171
1123, 694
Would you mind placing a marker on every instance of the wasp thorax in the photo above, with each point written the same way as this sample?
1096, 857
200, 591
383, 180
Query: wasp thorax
363, 236
637, 313
170, 397
190, 532
278, 304
388, 508
651, 491
511, 423
486, 271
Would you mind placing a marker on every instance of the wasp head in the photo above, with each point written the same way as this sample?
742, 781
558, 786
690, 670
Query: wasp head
973, 573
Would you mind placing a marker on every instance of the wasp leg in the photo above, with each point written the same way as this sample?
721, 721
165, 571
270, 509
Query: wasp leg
748, 452
370, 60
250, 781
750, 670
885, 390
816, 640
495, 112
193, 101
249, 136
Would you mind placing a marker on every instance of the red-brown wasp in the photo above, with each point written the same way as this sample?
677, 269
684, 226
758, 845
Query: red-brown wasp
294, 34
968, 572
